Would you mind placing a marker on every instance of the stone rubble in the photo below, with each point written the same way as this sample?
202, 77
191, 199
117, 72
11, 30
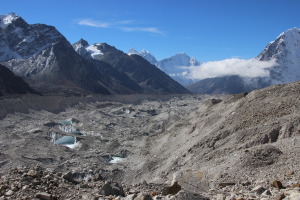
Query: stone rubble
38, 183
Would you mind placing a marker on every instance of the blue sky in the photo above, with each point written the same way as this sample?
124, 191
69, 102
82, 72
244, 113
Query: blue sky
209, 30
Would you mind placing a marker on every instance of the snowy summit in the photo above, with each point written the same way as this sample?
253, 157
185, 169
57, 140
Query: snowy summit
7, 19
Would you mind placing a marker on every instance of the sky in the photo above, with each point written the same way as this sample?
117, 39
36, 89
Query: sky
209, 30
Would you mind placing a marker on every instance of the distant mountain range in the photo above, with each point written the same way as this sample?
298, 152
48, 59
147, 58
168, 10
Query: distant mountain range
285, 50
43, 57
176, 66
49, 63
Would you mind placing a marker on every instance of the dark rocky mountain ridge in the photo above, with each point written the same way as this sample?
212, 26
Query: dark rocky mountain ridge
143, 73
46, 60
11, 84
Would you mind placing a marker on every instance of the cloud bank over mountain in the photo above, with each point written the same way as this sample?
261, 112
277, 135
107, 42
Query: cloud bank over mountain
245, 68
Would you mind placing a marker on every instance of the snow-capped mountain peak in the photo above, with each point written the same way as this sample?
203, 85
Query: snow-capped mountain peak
286, 50
5, 20
145, 54
132, 51
179, 60
286, 44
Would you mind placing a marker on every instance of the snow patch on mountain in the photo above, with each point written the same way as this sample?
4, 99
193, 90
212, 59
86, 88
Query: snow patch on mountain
94, 51
5, 20
145, 54
132, 51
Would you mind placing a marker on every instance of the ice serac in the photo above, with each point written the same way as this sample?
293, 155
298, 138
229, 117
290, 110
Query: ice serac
285, 49
142, 72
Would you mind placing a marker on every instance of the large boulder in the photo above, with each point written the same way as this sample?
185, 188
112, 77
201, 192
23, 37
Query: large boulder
192, 180
111, 188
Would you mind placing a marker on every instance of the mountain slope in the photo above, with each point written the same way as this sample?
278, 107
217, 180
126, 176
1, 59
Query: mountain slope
143, 73
227, 85
12, 84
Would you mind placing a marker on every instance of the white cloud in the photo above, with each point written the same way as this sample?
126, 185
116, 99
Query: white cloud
118, 25
234, 66
142, 29
89, 22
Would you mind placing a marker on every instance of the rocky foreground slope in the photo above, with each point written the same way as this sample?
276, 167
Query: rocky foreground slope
244, 146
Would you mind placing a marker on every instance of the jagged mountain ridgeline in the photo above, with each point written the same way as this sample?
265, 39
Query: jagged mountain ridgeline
143, 73
46, 60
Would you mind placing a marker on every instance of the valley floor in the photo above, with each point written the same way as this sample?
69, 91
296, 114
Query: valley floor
210, 147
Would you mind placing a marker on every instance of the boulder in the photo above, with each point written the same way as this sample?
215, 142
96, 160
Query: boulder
222, 185
112, 189
143, 196
183, 194
192, 180
173, 189
44, 196
277, 184
279, 196
130, 197
69, 177
9, 193
258, 189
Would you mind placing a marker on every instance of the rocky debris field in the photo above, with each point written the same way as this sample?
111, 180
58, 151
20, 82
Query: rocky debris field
243, 146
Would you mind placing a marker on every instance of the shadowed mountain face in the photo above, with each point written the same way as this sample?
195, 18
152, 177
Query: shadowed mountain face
143, 73
12, 84
227, 85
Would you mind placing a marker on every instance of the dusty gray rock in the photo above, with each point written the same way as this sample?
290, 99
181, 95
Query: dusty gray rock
258, 189
9, 193
183, 194
130, 197
112, 189
143, 196
69, 177
44, 196
191, 180
173, 189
